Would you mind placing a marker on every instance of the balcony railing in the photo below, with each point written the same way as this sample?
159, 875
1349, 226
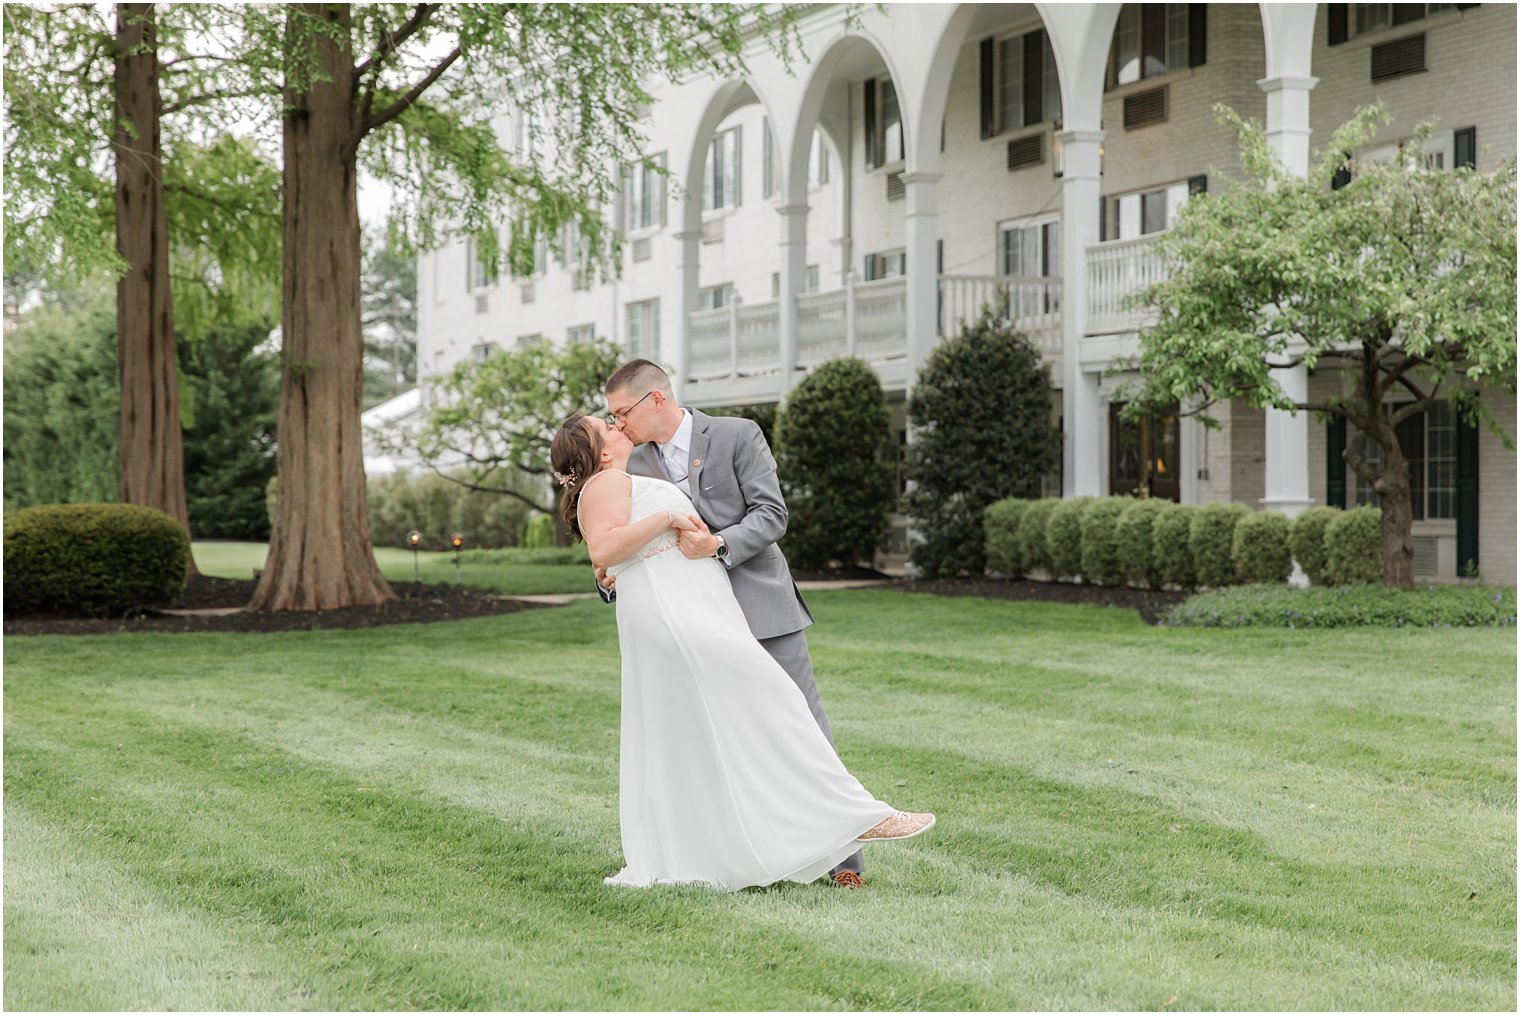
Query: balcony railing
741, 338
1114, 270
1030, 304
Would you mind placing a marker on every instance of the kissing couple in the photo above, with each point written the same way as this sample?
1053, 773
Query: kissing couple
727, 769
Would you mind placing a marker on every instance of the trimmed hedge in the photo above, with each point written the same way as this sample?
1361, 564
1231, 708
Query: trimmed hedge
1000, 525
1064, 534
1260, 549
1136, 535
1211, 538
100, 558
1172, 547
1354, 547
1307, 541
1034, 545
1348, 606
1100, 541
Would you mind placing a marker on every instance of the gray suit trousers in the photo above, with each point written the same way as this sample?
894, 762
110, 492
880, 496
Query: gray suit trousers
791, 651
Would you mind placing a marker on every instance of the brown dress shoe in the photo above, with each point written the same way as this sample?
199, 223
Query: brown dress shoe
848, 879
902, 825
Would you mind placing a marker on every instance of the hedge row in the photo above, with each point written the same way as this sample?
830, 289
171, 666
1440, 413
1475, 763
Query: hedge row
1156, 543
1347, 606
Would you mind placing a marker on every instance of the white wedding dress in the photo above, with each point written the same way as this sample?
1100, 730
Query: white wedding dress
726, 779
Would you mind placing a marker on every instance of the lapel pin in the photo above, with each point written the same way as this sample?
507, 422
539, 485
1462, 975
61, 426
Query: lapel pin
696, 463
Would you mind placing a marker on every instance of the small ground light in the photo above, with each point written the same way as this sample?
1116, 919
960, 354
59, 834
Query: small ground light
457, 542
414, 543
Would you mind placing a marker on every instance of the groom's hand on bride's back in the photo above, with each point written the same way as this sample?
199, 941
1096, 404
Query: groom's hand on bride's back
605, 580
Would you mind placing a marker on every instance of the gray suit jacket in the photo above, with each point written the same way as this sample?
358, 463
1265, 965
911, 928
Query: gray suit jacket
734, 488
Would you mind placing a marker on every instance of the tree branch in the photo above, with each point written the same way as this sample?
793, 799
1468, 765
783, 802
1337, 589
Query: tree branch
217, 96
404, 103
391, 41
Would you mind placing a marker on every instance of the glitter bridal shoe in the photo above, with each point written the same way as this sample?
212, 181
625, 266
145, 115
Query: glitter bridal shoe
902, 825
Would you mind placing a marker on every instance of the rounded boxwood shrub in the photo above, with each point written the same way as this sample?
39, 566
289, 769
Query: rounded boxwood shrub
1171, 545
1136, 530
1100, 540
1064, 534
981, 416
1260, 549
1307, 541
832, 446
100, 558
1354, 547
1001, 526
1034, 547
538, 532
1211, 537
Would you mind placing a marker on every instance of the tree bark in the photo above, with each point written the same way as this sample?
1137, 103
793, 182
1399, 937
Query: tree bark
319, 553
152, 446
1392, 482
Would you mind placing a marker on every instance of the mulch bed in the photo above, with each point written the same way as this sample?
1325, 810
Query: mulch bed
1151, 603
415, 604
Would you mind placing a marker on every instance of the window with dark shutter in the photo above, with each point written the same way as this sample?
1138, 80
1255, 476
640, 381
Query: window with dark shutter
1335, 464
988, 72
1198, 34
1339, 23
1397, 58
1034, 53
870, 118
1465, 148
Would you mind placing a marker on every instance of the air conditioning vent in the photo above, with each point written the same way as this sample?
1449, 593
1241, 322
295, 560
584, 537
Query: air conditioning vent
643, 249
1145, 108
1026, 151
1397, 58
896, 189
482, 305
712, 231
528, 295
1424, 554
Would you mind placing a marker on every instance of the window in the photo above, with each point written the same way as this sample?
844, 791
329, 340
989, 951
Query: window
481, 275
644, 194
482, 351
1429, 444
887, 264
529, 135
720, 182
809, 281
644, 329
1029, 91
1155, 39
1151, 211
581, 333
767, 160
1031, 249
540, 258
715, 297
818, 162
523, 341
884, 135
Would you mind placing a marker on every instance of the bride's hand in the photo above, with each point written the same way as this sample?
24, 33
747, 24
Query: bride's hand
681, 523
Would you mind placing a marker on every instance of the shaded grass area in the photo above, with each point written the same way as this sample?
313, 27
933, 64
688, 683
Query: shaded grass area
1347, 606
421, 817
512, 572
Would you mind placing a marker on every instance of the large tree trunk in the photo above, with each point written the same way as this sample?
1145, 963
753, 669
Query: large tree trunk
1397, 504
319, 553
152, 447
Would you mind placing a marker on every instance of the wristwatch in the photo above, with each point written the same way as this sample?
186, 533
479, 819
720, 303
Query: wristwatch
722, 550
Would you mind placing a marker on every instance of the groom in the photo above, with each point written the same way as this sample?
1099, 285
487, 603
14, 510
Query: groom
726, 468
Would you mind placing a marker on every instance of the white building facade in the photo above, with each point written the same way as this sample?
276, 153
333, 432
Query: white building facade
923, 158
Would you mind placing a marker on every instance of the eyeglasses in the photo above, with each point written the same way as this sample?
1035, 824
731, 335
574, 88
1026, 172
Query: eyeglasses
620, 415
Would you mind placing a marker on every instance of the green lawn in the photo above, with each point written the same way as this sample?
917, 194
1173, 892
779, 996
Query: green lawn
238, 560
421, 816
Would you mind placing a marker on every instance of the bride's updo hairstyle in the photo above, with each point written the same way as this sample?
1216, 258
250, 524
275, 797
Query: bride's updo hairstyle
574, 454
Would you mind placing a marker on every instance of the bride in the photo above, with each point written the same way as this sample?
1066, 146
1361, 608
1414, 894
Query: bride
725, 777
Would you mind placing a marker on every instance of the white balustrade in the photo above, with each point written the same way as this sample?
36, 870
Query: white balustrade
711, 344
757, 327
821, 331
1031, 304
1114, 271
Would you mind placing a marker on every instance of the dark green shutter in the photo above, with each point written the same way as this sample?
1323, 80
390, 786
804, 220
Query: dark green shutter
1335, 465
1465, 148
1467, 496
1034, 77
986, 90
1102, 219
870, 272
1339, 23
870, 99
1198, 35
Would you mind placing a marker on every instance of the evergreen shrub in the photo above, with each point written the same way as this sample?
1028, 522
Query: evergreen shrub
832, 444
99, 558
1260, 549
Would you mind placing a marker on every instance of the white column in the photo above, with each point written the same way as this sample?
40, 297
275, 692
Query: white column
1082, 453
1287, 469
923, 268
793, 279
688, 261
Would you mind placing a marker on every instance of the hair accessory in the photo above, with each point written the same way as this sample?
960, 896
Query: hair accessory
565, 478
